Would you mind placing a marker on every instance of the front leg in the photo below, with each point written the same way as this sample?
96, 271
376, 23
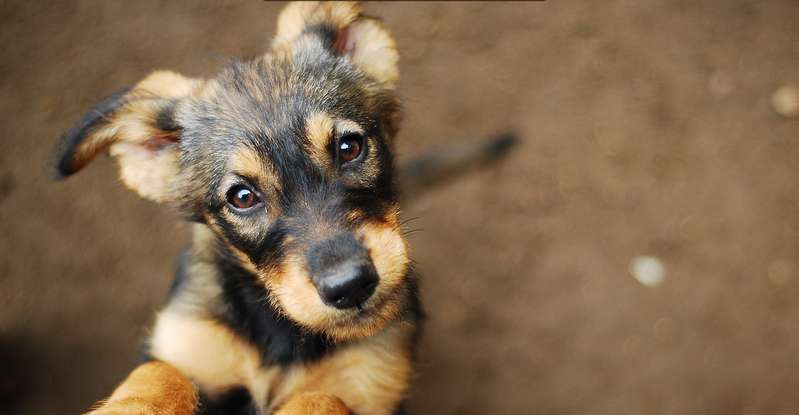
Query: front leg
154, 388
313, 403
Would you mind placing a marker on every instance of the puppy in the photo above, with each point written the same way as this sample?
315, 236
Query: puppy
295, 295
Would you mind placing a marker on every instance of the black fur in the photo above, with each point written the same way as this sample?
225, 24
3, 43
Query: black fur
274, 127
165, 120
247, 312
263, 106
273, 103
328, 253
236, 401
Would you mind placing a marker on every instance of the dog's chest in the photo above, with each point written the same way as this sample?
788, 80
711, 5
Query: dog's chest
371, 376
215, 358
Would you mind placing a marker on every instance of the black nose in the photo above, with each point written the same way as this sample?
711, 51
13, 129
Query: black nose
342, 271
348, 286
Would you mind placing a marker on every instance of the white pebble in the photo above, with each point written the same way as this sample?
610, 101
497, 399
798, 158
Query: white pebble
785, 101
647, 270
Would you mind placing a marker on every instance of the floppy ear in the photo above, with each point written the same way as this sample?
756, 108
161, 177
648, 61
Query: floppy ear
363, 40
137, 126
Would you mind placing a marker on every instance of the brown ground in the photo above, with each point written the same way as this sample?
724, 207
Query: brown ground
646, 129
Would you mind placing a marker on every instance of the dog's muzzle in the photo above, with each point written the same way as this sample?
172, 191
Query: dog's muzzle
342, 271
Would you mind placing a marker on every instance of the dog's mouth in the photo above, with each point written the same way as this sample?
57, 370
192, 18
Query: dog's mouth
363, 311
367, 318
299, 298
348, 285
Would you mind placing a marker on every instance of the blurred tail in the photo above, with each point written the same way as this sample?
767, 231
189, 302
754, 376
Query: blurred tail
438, 166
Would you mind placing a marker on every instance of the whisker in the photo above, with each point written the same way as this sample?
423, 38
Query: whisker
408, 220
407, 232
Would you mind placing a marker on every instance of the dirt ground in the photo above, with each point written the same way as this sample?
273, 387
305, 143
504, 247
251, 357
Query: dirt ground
646, 130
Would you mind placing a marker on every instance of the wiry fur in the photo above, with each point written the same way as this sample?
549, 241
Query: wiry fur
245, 323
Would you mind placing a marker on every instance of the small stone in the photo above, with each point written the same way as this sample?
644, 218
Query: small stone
785, 101
647, 270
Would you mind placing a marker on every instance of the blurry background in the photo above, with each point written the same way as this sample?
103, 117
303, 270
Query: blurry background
648, 130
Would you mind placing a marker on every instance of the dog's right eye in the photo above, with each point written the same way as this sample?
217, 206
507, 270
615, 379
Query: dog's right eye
242, 198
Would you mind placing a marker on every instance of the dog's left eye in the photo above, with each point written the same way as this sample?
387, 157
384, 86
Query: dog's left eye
241, 197
349, 147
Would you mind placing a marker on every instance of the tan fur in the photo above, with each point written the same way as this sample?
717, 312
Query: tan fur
355, 215
372, 49
202, 291
348, 126
370, 370
388, 251
313, 403
154, 388
319, 129
167, 85
134, 122
296, 16
246, 162
295, 294
149, 172
363, 40
244, 260
211, 355
370, 376
369, 169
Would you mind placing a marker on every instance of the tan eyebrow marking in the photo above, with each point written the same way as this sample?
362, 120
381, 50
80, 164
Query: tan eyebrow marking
319, 128
246, 162
348, 126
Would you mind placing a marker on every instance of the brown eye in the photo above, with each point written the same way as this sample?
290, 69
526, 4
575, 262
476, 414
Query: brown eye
349, 147
241, 197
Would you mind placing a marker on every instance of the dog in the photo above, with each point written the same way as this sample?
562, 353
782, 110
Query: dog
296, 294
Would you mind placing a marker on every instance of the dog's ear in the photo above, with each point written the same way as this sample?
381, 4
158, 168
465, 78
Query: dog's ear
137, 127
346, 32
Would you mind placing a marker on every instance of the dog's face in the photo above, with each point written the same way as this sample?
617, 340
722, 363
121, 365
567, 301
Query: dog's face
287, 158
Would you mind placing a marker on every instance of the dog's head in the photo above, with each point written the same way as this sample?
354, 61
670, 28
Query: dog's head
286, 158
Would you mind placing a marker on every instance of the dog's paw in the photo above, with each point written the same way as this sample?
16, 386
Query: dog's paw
124, 407
313, 403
